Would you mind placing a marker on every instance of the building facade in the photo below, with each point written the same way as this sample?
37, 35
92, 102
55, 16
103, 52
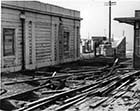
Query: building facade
34, 35
135, 21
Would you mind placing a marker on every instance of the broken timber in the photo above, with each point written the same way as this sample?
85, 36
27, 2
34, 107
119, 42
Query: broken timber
24, 92
37, 79
45, 100
46, 78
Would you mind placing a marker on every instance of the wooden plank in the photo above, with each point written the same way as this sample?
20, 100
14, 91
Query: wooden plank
24, 92
43, 59
47, 22
114, 64
69, 104
43, 46
96, 104
43, 56
43, 34
39, 38
44, 29
36, 79
53, 91
46, 99
43, 50
43, 42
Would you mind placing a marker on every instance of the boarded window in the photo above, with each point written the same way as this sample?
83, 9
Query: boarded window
66, 41
8, 41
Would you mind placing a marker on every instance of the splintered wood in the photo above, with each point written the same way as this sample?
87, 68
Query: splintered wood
86, 89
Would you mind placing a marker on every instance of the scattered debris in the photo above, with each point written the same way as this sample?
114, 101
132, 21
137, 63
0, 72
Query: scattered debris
83, 89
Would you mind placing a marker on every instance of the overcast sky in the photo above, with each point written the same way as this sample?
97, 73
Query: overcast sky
95, 16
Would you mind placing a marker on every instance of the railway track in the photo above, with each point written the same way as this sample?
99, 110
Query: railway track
96, 89
94, 83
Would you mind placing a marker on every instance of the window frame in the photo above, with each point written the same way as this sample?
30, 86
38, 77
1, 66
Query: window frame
66, 41
78, 41
137, 42
13, 42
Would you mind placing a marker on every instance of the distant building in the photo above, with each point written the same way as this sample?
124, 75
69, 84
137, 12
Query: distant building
98, 47
86, 46
99, 38
116, 49
135, 21
36, 35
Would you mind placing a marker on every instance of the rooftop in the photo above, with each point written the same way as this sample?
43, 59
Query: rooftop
45, 8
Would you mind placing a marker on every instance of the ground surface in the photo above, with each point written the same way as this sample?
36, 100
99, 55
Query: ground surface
126, 98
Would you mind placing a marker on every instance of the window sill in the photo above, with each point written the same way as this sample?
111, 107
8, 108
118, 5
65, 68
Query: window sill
6, 57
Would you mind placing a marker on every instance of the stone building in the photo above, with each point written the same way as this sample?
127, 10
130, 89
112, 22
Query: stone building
36, 34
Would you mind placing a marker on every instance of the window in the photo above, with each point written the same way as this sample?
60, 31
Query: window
66, 41
8, 41
78, 41
137, 41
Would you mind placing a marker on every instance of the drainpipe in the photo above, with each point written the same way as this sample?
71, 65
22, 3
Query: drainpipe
22, 18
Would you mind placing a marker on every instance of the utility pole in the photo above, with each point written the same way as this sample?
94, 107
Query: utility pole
110, 4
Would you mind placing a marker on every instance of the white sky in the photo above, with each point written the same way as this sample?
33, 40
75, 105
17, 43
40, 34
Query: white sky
95, 16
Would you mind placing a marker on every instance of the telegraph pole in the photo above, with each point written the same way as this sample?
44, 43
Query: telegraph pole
110, 22
110, 4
